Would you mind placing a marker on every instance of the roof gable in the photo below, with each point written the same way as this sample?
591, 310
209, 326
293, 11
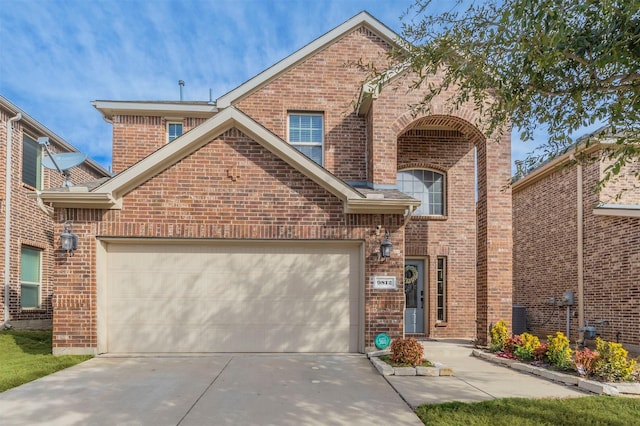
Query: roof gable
215, 126
363, 18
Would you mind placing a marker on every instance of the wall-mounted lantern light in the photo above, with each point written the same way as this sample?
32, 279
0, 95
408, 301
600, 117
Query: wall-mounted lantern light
68, 240
385, 247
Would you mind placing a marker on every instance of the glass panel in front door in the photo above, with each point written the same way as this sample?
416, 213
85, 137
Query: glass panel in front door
414, 296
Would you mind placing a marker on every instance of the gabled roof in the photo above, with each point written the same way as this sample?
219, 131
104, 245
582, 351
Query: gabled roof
55, 139
110, 193
363, 18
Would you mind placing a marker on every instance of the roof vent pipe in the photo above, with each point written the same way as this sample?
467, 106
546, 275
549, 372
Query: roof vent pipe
181, 84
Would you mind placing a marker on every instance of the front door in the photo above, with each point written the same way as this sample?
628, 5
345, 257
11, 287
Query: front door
414, 294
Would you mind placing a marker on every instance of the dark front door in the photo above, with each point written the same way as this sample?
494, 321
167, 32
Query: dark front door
414, 295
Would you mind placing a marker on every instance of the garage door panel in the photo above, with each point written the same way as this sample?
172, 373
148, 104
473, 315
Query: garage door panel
233, 298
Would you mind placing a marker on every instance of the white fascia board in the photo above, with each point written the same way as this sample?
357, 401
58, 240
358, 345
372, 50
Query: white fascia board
617, 210
110, 108
363, 18
215, 126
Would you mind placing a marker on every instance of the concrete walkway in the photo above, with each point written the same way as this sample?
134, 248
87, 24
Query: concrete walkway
210, 390
473, 380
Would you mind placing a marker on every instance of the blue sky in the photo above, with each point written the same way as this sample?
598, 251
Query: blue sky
59, 55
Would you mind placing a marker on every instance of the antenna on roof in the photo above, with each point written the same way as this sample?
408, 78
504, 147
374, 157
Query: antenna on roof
181, 84
61, 162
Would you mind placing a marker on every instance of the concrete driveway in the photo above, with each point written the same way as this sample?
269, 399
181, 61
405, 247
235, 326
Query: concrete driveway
210, 390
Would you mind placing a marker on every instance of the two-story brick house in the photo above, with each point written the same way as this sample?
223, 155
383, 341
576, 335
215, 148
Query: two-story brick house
255, 222
26, 230
571, 239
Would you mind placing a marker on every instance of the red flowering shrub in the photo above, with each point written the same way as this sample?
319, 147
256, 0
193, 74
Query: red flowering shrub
407, 351
585, 361
540, 353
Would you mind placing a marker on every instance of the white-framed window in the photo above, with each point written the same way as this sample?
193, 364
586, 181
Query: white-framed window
306, 133
30, 277
441, 289
174, 131
428, 186
31, 162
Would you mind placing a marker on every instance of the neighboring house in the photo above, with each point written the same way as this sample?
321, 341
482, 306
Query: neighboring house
259, 227
26, 232
568, 238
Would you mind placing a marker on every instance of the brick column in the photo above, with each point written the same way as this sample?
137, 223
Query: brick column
495, 245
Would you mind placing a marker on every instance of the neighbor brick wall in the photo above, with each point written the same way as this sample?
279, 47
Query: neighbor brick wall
545, 257
612, 260
454, 235
545, 249
263, 198
29, 225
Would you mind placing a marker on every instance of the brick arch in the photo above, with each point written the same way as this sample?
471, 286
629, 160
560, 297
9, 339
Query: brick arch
408, 121
422, 165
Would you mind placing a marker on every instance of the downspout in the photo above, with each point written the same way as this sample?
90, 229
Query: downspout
580, 255
580, 251
7, 221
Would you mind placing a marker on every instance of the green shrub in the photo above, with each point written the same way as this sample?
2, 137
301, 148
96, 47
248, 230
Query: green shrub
407, 351
499, 334
558, 350
526, 347
612, 363
585, 362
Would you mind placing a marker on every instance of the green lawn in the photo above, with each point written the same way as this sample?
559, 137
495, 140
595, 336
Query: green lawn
26, 356
592, 410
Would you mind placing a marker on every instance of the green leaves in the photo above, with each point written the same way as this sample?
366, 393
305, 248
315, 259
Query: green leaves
559, 64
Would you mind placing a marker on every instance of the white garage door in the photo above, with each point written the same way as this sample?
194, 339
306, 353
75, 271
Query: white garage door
239, 297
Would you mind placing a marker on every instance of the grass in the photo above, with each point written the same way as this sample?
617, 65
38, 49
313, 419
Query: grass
387, 359
26, 356
593, 410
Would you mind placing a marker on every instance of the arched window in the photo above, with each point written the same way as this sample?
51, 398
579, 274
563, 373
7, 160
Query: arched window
426, 186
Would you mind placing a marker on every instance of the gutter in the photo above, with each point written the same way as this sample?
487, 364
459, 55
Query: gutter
7, 221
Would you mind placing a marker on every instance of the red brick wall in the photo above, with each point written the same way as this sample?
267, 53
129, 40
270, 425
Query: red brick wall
197, 198
29, 225
135, 137
454, 235
545, 249
545, 256
324, 83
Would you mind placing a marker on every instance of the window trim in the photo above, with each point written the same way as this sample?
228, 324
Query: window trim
169, 123
39, 167
445, 192
32, 283
321, 144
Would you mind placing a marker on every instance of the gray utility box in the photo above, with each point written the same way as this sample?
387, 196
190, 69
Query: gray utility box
519, 319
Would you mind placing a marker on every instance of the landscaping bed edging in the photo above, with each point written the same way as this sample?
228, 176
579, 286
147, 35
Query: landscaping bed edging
388, 370
593, 386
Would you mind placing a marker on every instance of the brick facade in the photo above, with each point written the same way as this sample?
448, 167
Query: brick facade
545, 218
30, 226
234, 188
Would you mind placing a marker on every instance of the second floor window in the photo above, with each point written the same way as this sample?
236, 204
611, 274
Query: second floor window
174, 130
426, 186
31, 162
306, 133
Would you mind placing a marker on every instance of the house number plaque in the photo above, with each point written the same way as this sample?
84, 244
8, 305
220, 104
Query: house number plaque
384, 283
